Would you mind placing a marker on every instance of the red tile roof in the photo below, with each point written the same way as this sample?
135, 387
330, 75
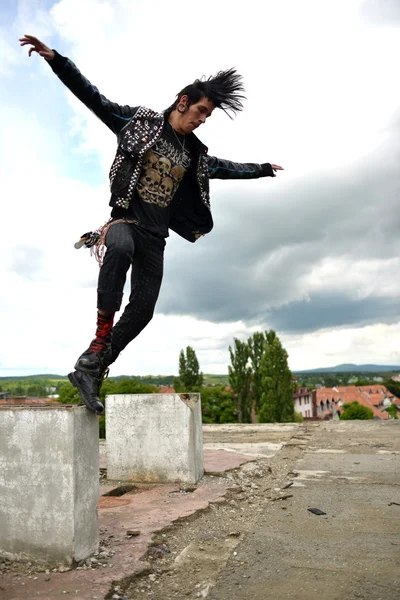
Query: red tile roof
371, 396
27, 401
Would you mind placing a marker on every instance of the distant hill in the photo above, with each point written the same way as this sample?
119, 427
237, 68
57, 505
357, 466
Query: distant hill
28, 377
209, 378
351, 368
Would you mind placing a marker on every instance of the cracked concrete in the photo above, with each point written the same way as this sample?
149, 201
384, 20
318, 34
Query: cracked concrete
246, 533
147, 509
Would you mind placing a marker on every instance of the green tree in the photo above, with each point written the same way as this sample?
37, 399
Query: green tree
256, 345
277, 397
218, 405
331, 379
67, 394
35, 390
393, 387
361, 381
126, 386
354, 410
239, 379
190, 378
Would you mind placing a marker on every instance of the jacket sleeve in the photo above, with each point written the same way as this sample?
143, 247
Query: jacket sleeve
219, 168
113, 115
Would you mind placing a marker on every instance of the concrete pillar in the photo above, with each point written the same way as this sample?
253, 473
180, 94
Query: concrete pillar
49, 483
154, 437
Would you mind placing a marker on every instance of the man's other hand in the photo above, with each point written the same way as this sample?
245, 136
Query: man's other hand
37, 46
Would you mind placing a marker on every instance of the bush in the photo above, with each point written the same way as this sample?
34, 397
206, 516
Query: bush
392, 410
298, 417
354, 410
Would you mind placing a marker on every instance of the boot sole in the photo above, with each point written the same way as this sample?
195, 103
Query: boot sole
75, 383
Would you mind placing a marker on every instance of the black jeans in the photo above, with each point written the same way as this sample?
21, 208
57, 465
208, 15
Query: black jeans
129, 245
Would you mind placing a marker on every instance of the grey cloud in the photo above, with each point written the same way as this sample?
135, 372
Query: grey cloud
328, 310
381, 12
253, 266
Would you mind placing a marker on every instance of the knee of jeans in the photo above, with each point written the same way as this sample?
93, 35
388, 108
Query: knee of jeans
121, 250
148, 314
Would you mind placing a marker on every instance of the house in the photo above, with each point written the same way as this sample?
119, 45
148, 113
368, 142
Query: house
303, 402
165, 389
329, 402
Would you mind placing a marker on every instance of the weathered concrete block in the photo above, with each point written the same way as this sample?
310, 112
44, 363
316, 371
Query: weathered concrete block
49, 483
154, 437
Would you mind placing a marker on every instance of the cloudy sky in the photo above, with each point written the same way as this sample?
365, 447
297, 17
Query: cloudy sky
313, 253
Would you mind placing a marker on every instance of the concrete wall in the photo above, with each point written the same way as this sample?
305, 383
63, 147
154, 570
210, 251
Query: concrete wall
49, 483
154, 437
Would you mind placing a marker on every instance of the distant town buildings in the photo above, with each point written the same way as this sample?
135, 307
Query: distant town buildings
327, 403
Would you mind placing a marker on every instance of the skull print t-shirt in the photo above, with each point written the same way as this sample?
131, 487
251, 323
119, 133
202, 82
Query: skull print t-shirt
164, 167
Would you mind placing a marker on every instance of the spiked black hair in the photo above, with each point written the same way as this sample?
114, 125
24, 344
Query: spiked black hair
223, 89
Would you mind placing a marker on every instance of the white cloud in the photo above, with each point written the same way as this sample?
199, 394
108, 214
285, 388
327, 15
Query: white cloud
376, 344
9, 56
361, 278
312, 101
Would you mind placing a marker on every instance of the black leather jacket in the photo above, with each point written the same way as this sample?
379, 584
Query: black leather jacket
138, 129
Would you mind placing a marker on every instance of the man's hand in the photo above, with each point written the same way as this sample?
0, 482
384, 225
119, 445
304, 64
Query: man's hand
269, 170
37, 46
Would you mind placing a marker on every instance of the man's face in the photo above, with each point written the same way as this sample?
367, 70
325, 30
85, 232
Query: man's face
196, 114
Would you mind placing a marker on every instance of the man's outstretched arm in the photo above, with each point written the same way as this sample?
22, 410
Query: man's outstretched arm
219, 168
112, 114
